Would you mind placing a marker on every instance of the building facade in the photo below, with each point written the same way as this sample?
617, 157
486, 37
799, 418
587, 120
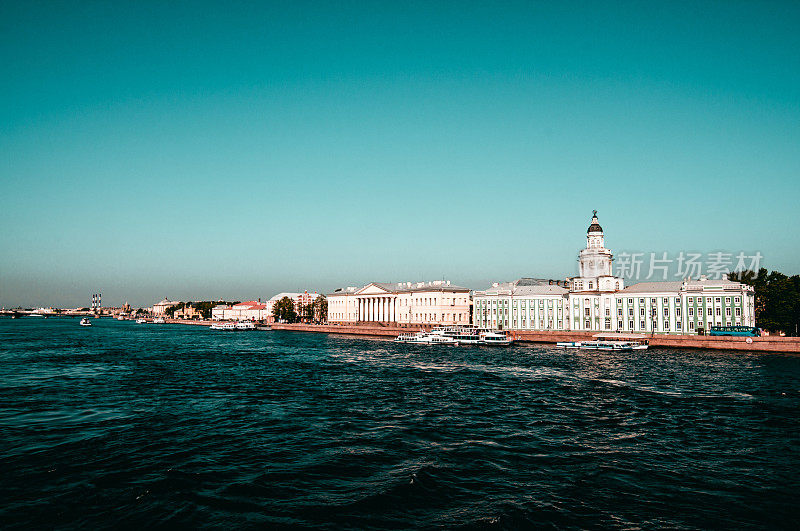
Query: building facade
403, 303
598, 301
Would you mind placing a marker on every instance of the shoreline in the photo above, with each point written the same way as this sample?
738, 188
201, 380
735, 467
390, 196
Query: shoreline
759, 344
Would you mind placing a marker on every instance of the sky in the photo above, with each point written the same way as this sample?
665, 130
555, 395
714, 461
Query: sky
206, 150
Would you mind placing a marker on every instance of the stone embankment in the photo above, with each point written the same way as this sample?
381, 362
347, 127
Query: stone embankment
757, 344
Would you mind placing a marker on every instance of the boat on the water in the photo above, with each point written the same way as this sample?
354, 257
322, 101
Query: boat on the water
473, 335
609, 341
245, 325
141, 320
159, 320
263, 327
425, 338
85, 322
223, 326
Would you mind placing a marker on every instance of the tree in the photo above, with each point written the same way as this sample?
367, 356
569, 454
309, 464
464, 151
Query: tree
777, 299
307, 312
284, 311
320, 309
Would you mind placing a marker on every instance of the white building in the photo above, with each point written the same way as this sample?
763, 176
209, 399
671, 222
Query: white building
160, 308
404, 303
596, 300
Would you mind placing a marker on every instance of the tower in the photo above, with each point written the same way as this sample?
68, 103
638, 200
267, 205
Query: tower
595, 260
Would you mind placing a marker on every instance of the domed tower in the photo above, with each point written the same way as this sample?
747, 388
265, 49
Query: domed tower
595, 260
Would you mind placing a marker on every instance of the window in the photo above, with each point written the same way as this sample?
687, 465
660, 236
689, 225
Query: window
691, 325
719, 311
630, 325
630, 301
678, 325
728, 311
608, 312
641, 301
608, 324
641, 312
588, 325
710, 311
736, 300
653, 301
727, 300
718, 300
691, 300
666, 325
641, 325
619, 325
559, 324
586, 312
738, 312
666, 312
591, 285
619, 312
665, 300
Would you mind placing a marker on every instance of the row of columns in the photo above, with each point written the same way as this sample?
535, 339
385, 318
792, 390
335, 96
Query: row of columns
379, 309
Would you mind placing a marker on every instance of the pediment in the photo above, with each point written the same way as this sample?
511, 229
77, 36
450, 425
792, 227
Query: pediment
372, 289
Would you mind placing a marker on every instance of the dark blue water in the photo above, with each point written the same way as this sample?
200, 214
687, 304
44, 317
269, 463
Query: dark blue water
126, 425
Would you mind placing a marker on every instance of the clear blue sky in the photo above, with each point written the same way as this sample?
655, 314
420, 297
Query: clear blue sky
206, 150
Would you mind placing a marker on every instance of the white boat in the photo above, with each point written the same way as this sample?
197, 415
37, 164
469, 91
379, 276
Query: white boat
223, 326
245, 325
425, 338
159, 320
85, 322
620, 346
141, 320
494, 338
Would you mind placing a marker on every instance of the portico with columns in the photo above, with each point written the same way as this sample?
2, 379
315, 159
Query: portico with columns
402, 303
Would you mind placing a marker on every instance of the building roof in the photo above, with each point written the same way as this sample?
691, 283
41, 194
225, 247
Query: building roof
405, 287
527, 286
654, 287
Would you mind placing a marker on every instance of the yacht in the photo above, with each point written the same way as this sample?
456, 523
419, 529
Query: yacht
494, 338
141, 320
85, 322
159, 320
245, 325
223, 326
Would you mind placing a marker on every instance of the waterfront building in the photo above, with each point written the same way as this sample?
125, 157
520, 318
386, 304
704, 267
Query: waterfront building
404, 303
159, 308
598, 301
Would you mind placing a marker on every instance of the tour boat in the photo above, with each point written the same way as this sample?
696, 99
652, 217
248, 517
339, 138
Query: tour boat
159, 320
223, 326
141, 320
494, 339
245, 325
425, 338
85, 322
604, 345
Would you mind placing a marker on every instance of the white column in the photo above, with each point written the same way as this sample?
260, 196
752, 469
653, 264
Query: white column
384, 317
372, 309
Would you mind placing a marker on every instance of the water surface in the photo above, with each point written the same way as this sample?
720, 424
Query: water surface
167, 425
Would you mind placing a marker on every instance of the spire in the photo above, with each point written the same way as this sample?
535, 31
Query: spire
595, 226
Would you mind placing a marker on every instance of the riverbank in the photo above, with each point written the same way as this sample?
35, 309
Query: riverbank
758, 344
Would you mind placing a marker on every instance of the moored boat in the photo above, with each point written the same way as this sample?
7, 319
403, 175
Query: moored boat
159, 320
223, 326
85, 322
245, 325
141, 320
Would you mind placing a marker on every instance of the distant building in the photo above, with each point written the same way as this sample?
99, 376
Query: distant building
160, 308
596, 300
188, 312
403, 303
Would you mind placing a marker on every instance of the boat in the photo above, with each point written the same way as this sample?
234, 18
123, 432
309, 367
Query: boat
223, 326
425, 338
85, 322
245, 325
141, 320
473, 335
494, 338
620, 346
159, 320
263, 327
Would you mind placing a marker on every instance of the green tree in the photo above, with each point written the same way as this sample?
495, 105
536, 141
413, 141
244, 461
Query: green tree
283, 311
320, 309
777, 299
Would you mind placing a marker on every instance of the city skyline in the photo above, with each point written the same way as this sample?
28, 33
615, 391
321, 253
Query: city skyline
202, 151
